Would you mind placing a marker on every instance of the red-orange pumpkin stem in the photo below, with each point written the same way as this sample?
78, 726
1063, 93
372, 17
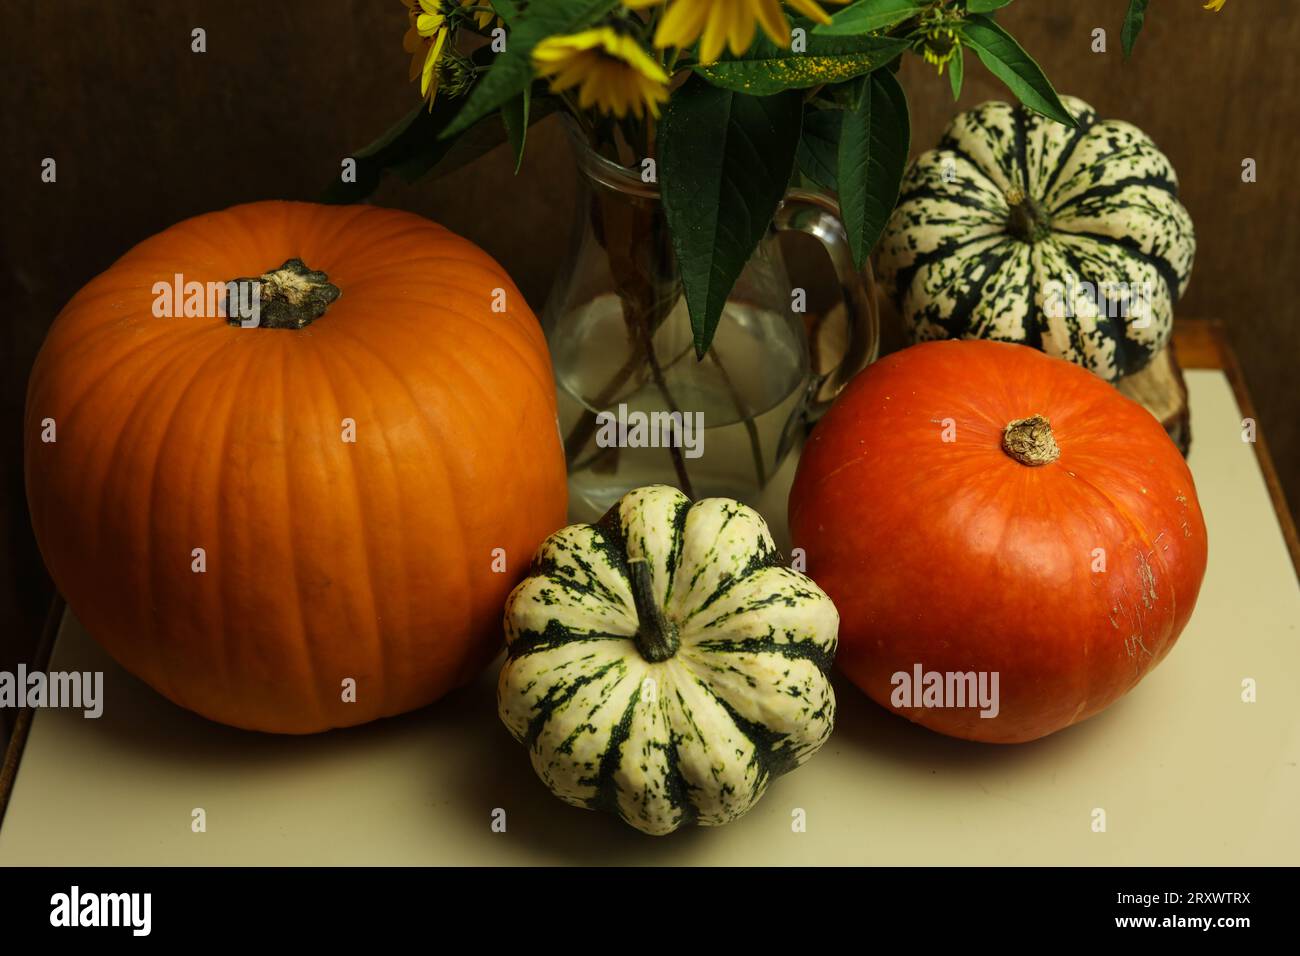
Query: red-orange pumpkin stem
1030, 441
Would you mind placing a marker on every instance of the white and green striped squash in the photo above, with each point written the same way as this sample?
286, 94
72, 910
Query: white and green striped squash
1019, 229
663, 665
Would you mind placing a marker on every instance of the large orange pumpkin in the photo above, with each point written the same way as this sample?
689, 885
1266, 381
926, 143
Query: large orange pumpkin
981, 508
313, 522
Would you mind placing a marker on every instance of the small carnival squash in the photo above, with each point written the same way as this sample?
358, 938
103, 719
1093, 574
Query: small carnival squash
978, 509
1019, 229
312, 521
663, 665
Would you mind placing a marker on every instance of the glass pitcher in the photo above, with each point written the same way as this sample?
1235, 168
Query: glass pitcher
636, 407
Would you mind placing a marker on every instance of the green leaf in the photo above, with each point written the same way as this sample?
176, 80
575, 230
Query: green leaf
1133, 20
411, 148
410, 139
484, 136
407, 127
957, 71
724, 161
868, 15
767, 68
1008, 61
874, 141
985, 6
512, 71
819, 146
514, 115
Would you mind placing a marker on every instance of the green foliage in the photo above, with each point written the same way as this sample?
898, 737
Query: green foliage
512, 71
1133, 20
866, 16
514, 116
767, 68
819, 145
725, 159
875, 136
1007, 60
734, 133
411, 148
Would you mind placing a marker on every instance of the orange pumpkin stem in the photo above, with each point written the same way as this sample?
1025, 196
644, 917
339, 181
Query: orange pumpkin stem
1030, 441
290, 297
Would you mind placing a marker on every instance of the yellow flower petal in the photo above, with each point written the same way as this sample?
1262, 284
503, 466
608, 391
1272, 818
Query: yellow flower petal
426, 75
809, 8
641, 61
716, 29
726, 24
429, 23
682, 23
773, 21
429, 75
610, 71
412, 42
482, 18
742, 34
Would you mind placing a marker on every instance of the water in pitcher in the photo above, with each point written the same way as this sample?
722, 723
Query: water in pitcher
748, 395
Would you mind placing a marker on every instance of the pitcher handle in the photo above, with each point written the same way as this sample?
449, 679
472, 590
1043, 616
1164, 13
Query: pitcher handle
818, 215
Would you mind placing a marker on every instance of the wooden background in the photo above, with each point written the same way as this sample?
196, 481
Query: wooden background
146, 132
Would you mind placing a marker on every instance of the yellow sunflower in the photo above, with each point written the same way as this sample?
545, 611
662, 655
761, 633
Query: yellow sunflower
425, 39
1215, 5
610, 70
482, 18
939, 46
726, 23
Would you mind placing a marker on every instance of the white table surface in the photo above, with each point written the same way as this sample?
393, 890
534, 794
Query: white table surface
1186, 772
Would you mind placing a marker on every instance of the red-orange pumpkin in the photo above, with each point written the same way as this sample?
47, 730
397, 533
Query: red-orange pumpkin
1063, 553
250, 518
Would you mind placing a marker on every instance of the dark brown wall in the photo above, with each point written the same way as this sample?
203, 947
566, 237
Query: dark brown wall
145, 133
